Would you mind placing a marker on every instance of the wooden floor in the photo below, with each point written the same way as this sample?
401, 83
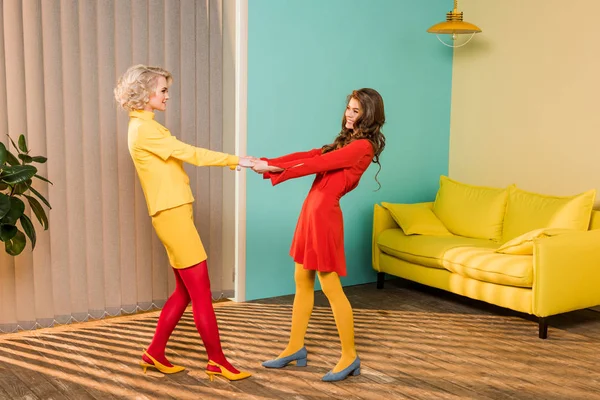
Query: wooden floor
414, 343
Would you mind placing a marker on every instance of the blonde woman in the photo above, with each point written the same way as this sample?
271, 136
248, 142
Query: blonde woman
158, 158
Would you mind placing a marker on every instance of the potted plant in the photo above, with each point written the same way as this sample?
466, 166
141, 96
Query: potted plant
16, 178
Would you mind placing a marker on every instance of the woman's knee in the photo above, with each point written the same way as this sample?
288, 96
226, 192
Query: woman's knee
180, 290
304, 278
330, 283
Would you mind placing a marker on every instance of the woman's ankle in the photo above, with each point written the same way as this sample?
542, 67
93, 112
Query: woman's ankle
222, 361
158, 356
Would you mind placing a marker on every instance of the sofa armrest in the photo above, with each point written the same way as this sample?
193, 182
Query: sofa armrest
382, 220
566, 273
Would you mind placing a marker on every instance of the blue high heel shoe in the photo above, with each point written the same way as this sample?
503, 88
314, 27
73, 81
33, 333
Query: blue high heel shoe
300, 357
353, 369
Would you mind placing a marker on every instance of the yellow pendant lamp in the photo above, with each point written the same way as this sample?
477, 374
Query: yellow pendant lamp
454, 25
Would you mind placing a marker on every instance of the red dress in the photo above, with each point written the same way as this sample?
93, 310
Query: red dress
318, 241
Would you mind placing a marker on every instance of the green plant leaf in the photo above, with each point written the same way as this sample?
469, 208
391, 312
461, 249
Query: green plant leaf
3, 154
11, 159
38, 211
17, 174
23, 144
15, 246
43, 179
29, 229
7, 232
22, 187
40, 159
13, 142
17, 208
4, 205
39, 196
3, 186
26, 159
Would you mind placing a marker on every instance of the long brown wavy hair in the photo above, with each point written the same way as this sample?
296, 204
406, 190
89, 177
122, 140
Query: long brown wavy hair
367, 125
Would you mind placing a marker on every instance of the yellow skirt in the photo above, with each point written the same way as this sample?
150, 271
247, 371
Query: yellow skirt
176, 230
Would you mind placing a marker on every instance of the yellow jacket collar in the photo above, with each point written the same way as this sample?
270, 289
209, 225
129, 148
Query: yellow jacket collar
142, 114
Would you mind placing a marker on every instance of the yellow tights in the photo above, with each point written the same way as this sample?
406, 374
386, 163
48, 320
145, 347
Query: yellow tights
303, 305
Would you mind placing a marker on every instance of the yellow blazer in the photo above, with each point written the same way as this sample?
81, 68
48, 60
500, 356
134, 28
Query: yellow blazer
158, 158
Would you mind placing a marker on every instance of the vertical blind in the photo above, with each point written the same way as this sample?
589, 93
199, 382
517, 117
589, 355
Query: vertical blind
59, 62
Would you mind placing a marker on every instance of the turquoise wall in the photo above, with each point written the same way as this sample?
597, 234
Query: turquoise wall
304, 57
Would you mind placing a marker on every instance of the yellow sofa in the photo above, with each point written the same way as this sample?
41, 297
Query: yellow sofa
559, 272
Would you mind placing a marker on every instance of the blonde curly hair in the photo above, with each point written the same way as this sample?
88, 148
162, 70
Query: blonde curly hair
137, 84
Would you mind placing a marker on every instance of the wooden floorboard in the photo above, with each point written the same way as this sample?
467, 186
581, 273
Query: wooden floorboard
414, 342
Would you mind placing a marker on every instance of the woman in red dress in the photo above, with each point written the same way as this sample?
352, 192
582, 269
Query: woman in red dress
318, 244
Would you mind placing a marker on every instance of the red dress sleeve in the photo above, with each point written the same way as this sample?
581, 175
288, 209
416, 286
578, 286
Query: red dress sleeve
290, 157
345, 157
293, 156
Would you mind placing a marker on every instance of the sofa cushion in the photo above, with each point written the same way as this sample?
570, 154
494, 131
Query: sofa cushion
595, 220
488, 266
416, 219
527, 211
469, 210
424, 249
524, 244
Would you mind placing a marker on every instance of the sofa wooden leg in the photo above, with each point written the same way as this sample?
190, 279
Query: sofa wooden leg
380, 280
543, 325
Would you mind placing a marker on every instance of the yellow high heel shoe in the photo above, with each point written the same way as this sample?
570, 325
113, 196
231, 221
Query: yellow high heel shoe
224, 372
162, 368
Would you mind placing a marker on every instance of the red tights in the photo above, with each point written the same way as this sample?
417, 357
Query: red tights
191, 284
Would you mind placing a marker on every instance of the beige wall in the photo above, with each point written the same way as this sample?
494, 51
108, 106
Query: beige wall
526, 96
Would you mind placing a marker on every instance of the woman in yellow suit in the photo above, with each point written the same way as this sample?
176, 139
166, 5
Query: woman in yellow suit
158, 158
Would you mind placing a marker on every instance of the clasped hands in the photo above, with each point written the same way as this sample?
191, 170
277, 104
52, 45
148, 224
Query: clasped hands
257, 165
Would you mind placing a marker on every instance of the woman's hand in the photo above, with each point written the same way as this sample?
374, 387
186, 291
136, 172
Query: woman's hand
261, 166
247, 162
